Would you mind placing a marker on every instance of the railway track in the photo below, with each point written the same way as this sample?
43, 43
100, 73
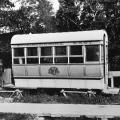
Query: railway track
62, 110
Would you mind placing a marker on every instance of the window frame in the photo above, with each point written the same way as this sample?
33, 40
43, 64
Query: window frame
32, 57
98, 61
53, 56
61, 56
76, 56
18, 57
47, 56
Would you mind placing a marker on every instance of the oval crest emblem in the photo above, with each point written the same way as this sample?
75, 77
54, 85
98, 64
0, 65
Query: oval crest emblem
53, 70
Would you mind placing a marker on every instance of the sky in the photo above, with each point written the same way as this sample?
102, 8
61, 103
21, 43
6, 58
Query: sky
55, 4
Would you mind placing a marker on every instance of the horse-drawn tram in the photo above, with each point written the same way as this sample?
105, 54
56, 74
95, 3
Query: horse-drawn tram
61, 60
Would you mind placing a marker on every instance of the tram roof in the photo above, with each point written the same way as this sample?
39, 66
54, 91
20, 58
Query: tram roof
58, 37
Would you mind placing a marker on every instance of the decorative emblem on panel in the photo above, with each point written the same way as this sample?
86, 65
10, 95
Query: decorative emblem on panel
53, 70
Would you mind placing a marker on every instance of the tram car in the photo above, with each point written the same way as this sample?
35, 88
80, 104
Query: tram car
74, 60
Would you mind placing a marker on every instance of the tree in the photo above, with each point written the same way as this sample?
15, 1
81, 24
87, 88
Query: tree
33, 16
66, 18
90, 15
6, 3
39, 14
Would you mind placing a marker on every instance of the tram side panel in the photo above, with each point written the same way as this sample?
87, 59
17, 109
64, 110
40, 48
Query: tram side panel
78, 75
75, 76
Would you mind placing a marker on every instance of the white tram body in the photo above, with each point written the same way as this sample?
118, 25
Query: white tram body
60, 60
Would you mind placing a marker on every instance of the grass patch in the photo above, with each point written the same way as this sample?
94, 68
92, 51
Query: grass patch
13, 116
36, 96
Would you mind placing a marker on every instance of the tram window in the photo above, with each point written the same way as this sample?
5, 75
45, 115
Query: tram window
18, 52
46, 51
46, 60
76, 59
19, 61
92, 53
61, 60
32, 51
76, 50
32, 61
60, 50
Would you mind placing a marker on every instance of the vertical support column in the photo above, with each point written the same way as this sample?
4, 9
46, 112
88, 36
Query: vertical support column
68, 53
53, 51
105, 50
12, 55
84, 53
25, 53
100, 56
68, 66
112, 82
84, 57
39, 53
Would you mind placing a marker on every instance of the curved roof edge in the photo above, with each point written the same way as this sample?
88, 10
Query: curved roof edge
59, 37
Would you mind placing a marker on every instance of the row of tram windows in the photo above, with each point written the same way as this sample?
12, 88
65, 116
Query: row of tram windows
56, 54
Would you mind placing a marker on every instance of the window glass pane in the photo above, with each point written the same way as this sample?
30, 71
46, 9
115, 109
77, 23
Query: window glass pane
19, 61
76, 59
60, 50
92, 53
32, 61
76, 50
46, 51
46, 60
106, 53
102, 53
18, 52
61, 60
32, 51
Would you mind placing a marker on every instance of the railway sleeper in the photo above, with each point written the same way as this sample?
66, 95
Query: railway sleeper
89, 92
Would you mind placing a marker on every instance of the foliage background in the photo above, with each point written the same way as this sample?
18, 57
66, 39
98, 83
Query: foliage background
37, 16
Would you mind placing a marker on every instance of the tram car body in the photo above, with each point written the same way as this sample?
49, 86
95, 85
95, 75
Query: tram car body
60, 60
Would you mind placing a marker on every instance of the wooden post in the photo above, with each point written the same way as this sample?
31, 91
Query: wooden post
7, 77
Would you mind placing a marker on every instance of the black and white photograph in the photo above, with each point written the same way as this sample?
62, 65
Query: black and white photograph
59, 60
